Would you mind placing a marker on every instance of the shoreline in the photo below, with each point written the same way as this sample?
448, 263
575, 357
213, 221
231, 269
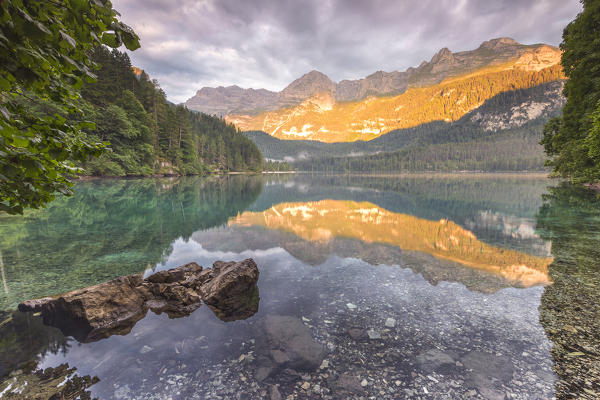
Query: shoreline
96, 177
527, 174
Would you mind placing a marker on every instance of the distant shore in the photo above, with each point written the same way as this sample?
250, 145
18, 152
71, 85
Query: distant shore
507, 174
91, 177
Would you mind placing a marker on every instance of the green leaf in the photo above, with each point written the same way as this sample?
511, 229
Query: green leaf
130, 40
4, 84
19, 141
109, 39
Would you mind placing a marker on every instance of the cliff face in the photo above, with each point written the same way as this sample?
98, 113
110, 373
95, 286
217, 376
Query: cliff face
373, 117
378, 83
446, 88
232, 99
444, 64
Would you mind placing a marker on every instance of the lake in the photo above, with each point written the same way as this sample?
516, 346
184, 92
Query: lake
424, 287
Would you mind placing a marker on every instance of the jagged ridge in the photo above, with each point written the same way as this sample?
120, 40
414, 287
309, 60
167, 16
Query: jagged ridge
235, 100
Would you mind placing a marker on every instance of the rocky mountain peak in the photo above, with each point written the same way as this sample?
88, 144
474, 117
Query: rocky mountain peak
442, 62
139, 72
498, 43
304, 87
312, 78
443, 54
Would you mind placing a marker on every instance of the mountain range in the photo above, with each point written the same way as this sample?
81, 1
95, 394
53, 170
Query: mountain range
314, 107
510, 122
501, 93
235, 100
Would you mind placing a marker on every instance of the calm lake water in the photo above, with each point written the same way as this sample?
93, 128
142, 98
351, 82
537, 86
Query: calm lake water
424, 287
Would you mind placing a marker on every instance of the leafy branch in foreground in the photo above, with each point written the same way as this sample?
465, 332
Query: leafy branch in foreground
44, 57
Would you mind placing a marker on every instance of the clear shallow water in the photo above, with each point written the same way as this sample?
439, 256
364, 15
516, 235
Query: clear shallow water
460, 264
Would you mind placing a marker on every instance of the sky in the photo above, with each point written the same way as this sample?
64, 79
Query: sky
188, 44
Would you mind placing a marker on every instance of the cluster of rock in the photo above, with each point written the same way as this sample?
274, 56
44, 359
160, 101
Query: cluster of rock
90, 314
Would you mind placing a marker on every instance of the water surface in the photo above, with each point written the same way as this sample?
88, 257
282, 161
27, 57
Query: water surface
417, 287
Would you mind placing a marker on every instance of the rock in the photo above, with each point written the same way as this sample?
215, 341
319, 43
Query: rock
231, 292
364, 383
285, 343
434, 359
262, 373
95, 312
487, 368
351, 306
274, 393
355, 333
114, 307
390, 323
146, 349
324, 364
373, 334
306, 386
348, 383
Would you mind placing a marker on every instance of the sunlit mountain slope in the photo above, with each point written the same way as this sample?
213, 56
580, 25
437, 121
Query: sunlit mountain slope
322, 118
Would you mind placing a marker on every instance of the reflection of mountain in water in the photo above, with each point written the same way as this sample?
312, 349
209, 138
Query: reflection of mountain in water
325, 220
457, 197
237, 240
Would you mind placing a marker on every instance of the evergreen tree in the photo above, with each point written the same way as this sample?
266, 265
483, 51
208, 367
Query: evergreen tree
572, 141
147, 134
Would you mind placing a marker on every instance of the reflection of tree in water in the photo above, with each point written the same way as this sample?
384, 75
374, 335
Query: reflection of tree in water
111, 228
570, 308
23, 338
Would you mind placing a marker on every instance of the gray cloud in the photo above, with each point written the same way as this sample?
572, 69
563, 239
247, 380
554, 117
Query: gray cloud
187, 44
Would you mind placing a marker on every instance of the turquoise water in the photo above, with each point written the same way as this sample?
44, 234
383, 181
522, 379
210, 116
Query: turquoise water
490, 280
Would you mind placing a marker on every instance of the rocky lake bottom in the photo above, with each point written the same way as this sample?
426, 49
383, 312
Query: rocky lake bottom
353, 307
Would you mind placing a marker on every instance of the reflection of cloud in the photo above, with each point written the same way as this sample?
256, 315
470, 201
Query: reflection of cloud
185, 251
512, 226
323, 220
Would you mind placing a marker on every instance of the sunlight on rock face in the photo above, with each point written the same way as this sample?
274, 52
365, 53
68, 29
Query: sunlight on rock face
445, 98
324, 220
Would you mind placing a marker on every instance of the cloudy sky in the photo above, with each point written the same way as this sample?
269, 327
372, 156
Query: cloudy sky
188, 44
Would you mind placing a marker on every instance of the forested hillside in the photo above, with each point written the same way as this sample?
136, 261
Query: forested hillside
148, 134
514, 150
501, 135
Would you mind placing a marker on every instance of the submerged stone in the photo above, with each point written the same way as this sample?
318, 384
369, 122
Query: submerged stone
284, 343
373, 334
434, 359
